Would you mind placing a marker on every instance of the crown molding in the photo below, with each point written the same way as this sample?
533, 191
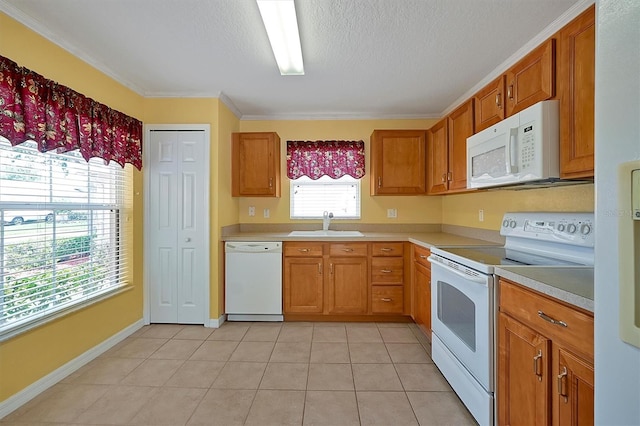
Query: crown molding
545, 34
337, 116
229, 104
39, 28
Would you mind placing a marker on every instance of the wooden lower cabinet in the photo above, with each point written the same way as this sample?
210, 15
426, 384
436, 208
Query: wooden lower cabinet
573, 403
303, 285
524, 374
347, 285
545, 368
352, 280
421, 273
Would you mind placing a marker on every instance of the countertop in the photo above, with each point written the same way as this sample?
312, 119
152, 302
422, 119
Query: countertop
570, 284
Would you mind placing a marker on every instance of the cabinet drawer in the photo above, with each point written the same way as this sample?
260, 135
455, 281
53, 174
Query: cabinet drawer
538, 311
387, 270
303, 249
387, 249
348, 249
387, 299
421, 254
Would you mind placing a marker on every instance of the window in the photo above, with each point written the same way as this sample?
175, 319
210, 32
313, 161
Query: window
309, 198
60, 233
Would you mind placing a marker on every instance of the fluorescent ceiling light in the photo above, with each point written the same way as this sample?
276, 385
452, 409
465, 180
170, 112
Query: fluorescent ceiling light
279, 17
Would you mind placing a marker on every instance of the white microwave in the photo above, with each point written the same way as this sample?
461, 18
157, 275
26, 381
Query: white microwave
523, 148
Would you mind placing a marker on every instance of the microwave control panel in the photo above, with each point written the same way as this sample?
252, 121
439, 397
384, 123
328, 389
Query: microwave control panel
527, 146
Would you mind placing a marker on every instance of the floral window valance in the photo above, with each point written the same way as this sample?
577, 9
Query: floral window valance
56, 117
331, 158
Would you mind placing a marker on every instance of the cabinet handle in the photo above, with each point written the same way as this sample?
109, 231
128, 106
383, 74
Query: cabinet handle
386, 271
303, 250
319, 269
449, 176
499, 100
379, 181
562, 384
348, 250
423, 256
387, 299
270, 182
444, 177
331, 268
387, 249
537, 365
510, 91
552, 320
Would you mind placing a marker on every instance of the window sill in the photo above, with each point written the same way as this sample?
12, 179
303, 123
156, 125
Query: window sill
26, 326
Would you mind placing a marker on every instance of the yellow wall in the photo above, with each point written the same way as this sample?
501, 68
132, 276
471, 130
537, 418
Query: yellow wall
32, 355
463, 209
411, 209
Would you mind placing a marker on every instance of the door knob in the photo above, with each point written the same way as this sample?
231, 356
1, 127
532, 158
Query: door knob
187, 240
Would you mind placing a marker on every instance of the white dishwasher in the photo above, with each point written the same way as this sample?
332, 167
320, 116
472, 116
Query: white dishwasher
253, 281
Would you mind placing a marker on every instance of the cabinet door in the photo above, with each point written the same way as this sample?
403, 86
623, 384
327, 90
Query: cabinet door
347, 285
532, 79
460, 128
523, 374
422, 297
303, 285
256, 165
489, 104
438, 157
576, 85
573, 391
398, 162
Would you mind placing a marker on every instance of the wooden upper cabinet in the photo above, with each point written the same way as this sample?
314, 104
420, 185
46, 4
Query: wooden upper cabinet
489, 104
461, 126
532, 79
398, 162
447, 150
576, 84
438, 149
255, 165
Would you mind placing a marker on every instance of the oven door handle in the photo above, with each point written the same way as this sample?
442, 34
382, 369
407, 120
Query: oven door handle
479, 280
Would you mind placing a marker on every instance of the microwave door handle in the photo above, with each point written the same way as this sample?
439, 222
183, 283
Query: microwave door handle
512, 151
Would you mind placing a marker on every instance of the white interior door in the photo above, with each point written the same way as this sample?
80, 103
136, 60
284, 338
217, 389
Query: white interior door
177, 228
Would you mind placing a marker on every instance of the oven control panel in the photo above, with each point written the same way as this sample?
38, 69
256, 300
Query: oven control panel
568, 228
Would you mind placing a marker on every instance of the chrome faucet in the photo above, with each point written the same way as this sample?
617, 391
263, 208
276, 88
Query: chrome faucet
326, 220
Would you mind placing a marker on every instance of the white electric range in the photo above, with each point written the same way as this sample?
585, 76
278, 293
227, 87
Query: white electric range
463, 297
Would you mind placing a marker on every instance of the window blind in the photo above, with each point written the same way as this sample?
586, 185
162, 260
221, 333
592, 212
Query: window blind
310, 198
60, 232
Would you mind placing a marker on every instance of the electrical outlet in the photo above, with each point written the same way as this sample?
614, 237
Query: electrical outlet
266, 213
392, 213
481, 215
252, 211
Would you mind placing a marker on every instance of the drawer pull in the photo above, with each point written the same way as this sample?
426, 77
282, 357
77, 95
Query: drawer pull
348, 250
319, 269
386, 271
562, 384
303, 250
387, 299
387, 249
537, 365
551, 320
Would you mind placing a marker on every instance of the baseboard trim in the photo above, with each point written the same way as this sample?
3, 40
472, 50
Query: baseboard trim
36, 388
217, 322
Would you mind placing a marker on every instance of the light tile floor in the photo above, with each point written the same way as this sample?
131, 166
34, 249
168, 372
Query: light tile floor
256, 374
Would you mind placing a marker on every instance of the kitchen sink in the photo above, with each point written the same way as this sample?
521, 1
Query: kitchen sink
329, 233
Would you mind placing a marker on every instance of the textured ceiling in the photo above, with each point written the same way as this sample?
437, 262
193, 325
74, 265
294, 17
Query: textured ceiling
362, 58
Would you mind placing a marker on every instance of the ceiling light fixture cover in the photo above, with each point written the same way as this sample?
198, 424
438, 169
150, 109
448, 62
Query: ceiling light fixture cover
279, 17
